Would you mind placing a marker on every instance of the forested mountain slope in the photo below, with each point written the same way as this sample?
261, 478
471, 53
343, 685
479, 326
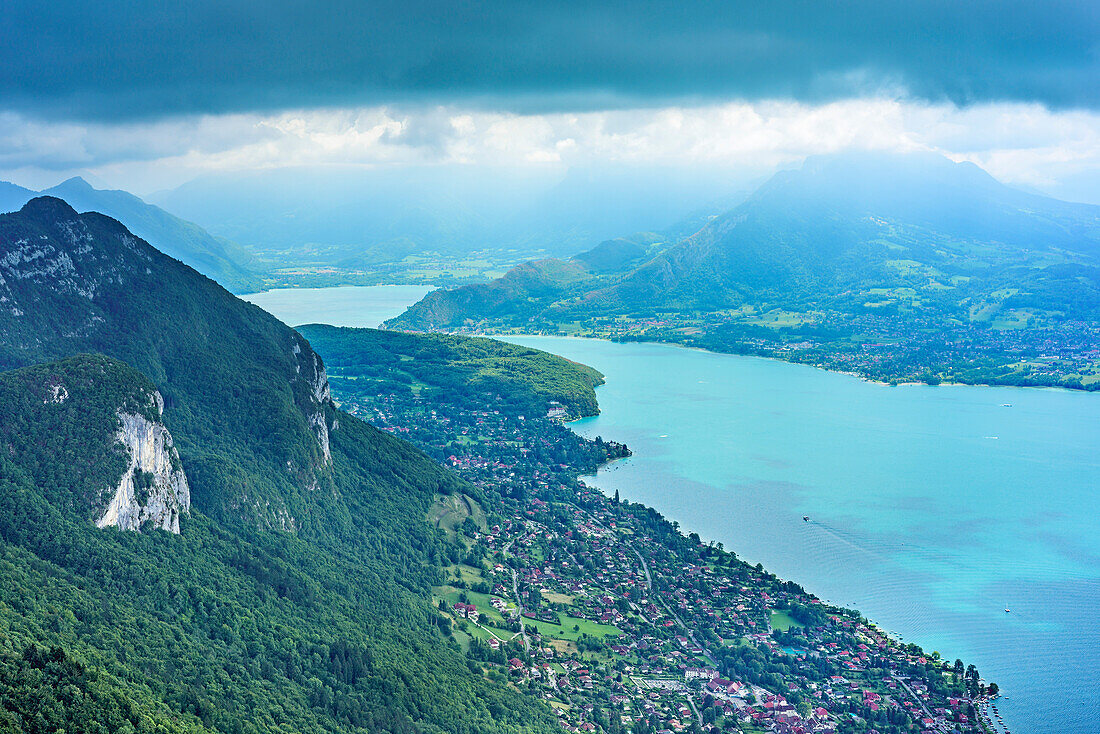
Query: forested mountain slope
293, 597
457, 370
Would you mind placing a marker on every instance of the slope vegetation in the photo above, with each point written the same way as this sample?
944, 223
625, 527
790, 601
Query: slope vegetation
461, 370
294, 597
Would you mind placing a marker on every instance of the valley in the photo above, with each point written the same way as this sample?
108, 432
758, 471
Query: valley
739, 449
549, 368
538, 585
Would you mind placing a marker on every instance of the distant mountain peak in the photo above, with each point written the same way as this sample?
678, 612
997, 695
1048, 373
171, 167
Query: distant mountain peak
894, 169
76, 181
837, 234
223, 261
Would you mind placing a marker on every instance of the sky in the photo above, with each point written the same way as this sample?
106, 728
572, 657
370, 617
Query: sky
147, 95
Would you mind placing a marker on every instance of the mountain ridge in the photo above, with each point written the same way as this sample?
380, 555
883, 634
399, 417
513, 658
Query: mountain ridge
296, 595
848, 249
228, 263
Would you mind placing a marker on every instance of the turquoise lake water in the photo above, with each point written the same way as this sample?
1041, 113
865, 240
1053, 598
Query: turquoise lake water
932, 509
345, 306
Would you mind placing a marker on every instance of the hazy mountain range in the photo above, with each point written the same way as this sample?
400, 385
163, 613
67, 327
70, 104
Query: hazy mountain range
831, 230
360, 222
229, 264
853, 246
356, 217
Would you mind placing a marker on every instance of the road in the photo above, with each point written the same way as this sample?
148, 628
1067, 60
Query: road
519, 601
519, 609
927, 712
690, 632
698, 716
648, 578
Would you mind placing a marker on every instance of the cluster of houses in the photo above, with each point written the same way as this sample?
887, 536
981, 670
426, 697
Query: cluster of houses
467, 611
649, 652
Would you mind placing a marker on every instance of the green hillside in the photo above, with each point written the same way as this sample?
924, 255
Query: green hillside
895, 267
295, 596
461, 370
59, 422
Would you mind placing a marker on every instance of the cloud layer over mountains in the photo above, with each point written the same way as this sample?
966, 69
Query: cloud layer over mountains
116, 59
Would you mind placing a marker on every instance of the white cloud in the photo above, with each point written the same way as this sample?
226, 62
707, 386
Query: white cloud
1018, 143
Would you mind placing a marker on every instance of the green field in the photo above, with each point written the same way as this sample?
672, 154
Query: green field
783, 621
565, 631
469, 574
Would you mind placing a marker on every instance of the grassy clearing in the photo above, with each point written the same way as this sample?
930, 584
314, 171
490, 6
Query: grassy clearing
565, 631
778, 318
462, 639
782, 621
450, 511
487, 632
469, 574
563, 647
555, 598
1014, 319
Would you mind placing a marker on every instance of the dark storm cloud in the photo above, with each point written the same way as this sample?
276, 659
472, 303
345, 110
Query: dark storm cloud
124, 58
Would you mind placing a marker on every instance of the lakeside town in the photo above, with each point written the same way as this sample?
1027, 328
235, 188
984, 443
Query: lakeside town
922, 347
621, 622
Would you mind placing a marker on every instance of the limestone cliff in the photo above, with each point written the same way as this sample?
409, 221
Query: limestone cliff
153, 491
242, 390
318, 407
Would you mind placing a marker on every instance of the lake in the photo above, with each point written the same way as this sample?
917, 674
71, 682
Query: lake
345, 306
931, 509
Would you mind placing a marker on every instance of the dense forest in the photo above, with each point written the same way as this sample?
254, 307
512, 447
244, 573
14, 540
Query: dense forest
295, 597
460, 370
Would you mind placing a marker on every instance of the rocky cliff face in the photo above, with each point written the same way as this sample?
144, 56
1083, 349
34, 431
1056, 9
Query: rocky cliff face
318, 408
61, 263
153, 491
89, 431
236, 381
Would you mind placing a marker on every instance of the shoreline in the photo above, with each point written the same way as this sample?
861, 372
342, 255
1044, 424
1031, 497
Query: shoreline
244, 296
848, 373
980, 703
607, 464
